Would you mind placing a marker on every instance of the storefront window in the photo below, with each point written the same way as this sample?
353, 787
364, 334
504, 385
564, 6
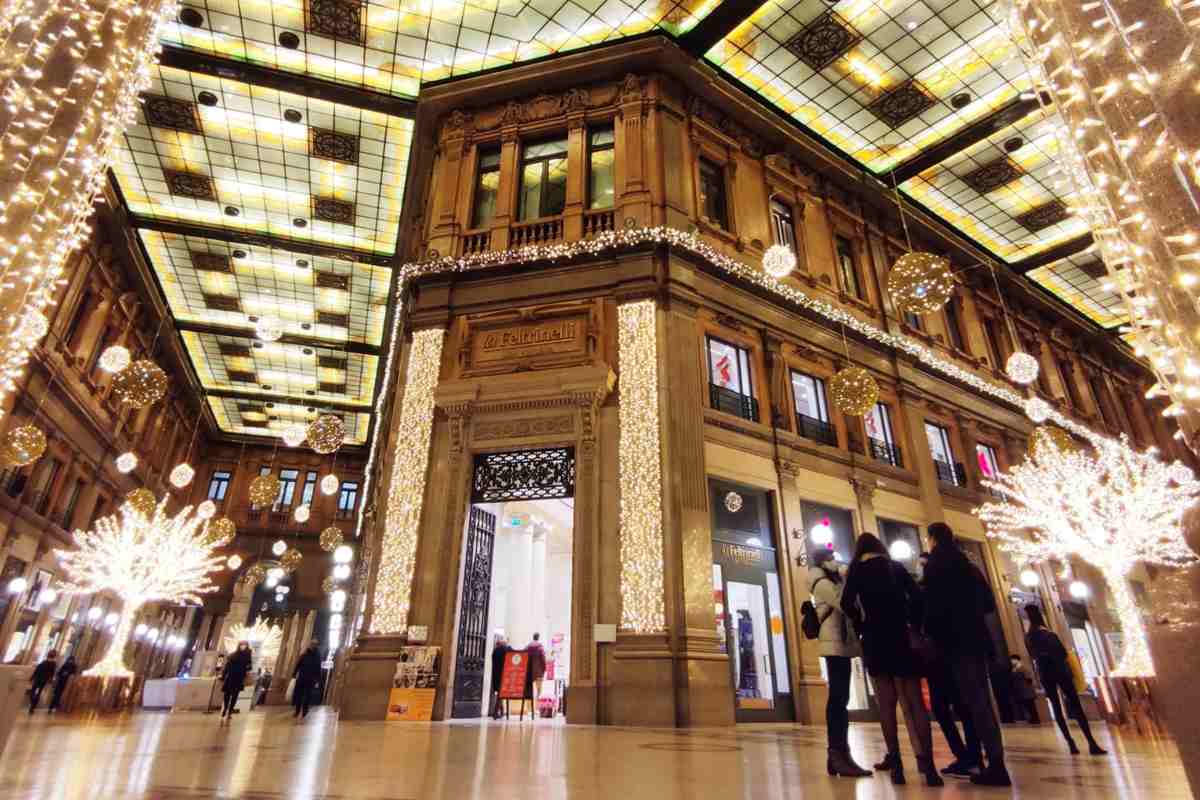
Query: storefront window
903, 542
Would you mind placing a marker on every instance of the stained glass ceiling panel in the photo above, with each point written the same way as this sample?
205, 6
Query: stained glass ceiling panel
1080, 281
395, 46
260, 419
218, 152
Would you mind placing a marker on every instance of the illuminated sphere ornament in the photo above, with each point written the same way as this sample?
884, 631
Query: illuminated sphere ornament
1029, 578
1037, 409
291, 559
1079, 590
1180, 473
279, 548
328, 585
275, 574
293, 435
301, 514
329, 484
182, 475
234, 561
343, 554
331, 537
1022, 368
127, 462
326, 433
341, 572
778, 261
22, 445
733, 502
256, 574
221, 532
269, 328
115, 358
901, 550
920, 283
264, 489
33, 327
140, 384
853, 391
821, 533
18, 585
206, 510
142, 501
1045, 436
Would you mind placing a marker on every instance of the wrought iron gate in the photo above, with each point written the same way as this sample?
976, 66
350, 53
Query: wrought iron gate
472, 627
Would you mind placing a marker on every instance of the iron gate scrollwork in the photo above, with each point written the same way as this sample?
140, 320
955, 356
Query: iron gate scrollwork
524, 475
472, 627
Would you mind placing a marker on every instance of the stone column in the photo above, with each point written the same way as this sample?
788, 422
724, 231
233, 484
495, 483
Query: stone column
968, 437
782, 415
510, 180
452, 165
577, 172
912, 407
864, 493
629, 151
582, 697
810, 690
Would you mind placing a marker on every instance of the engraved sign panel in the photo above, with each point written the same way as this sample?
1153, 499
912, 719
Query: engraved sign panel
528, 339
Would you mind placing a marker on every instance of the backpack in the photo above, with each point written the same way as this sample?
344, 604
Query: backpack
810, 623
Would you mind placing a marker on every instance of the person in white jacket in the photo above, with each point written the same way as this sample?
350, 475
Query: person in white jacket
837, 644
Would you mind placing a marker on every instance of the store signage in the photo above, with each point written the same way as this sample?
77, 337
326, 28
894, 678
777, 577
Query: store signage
739, 554
543, 337
512, 678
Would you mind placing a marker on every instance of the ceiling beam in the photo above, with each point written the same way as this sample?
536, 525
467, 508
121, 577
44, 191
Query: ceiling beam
1059, 251
281, 397
358, 348
257, 240
293, 83
976, 132
723, 20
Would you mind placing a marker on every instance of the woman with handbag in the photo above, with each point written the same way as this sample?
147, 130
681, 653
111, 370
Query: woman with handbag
884, 603
836, 644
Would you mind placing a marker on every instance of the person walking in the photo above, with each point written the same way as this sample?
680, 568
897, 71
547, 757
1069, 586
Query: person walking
884, 603
308, 677
957, 601
499, 651
233, 677
1050, 658
68, 668
1024, 696
537, 667
42, 674
836, 644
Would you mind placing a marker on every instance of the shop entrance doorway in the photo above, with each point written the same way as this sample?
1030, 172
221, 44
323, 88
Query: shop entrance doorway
516, 575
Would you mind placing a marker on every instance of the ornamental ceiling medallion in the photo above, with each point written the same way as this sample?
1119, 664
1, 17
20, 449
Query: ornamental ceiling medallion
902, 103
330, 209
993, 175
1043, 216
337, 19
168, 112
189, 184
824, 40
332, 145
211, 262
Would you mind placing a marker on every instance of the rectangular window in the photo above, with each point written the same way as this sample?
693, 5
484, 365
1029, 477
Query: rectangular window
812, 413
543, 180
712, 193
601, 174
1066, 371
310, 488
943, 454
847, 267
954, 325
913, 321
218, 485
989, 465
82, 309
730, 386
1098, 391
487, 188
108, 338
996, 341
347, 497
881, 439
72, 501
287, 487
782, 224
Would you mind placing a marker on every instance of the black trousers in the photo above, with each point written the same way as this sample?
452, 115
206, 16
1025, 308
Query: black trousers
1029, 707
35, 694
971, 679
837, 718
1066, 686
231, 696
59, 689
946, 703
301, 699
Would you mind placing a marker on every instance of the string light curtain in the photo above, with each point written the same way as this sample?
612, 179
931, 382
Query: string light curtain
70, 76
1122, 74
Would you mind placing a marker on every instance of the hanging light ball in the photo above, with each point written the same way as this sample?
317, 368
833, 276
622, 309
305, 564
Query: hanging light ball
1079, 590
328, 585
331, 537
293, 435
127, 462
343, 554
33, 327
341, 572
221, 532
142, 501
1037, 409
778, 261
1052, 437
1029, 578
268, 328
264, 489
256, 574
182, 475
206, 510
291, 559
22, 445
279, 547
920, 283
276, 573
853, 391
302, 513
140, 384
115, 358
329, 484
1180, 473
1022, 368
234, 561
326, 433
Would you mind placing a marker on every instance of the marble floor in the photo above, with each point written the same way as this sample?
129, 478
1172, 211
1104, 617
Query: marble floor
264, 754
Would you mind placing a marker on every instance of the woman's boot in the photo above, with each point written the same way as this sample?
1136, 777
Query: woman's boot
888, 761
840, 762
929, 771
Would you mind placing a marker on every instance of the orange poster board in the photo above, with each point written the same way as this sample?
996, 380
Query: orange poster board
411, 705
512, 679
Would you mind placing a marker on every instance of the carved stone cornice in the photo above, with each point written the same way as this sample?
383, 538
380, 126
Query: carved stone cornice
787, 468
864, 489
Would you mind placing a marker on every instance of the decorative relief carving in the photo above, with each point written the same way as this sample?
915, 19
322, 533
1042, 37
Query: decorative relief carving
333, 145
824, 40
902, 103
523, 428
563, 334
631, 88
458, 123
751, 144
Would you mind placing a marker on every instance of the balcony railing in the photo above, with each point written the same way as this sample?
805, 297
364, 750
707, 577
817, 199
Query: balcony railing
816, 429
542, 232
731, 402
476, 242
954, 474
598, 221
882, 451
345, 513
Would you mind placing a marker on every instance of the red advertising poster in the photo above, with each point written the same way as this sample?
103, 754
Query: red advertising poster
512, 679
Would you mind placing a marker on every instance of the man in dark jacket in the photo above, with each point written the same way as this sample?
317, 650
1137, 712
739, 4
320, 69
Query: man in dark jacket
498, 653
308, 676
42, 674
957, 602
63, 675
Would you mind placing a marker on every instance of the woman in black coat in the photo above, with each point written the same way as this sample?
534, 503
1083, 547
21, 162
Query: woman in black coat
308, 676
883, 601
1050, 658
233, 677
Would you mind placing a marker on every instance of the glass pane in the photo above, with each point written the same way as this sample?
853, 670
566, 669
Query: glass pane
543, 149
489, 159
719, 605
753, 681
723, 365
602, 137
554, 194
778, 643
938, 444
808, 396
879, 426
987, 460
600, 190
485, 198
531, 191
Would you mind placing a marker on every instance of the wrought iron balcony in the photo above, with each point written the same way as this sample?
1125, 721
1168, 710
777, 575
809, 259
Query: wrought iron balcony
816, 429
882, 451
731, 402
954, 474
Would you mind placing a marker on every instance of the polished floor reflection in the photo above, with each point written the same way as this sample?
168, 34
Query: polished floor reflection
264, 754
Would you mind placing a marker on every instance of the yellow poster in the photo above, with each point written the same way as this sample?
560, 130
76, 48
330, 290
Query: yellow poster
410, 705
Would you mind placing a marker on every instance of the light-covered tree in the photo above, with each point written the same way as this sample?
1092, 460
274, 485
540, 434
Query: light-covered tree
1111, 507
264, 638
141, 554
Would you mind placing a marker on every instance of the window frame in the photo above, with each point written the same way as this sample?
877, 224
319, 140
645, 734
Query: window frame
943, 433
287, 488
1066, 373
954, 331
783, 225
592, 149
343, 491
544, 161
995, 342
308, 489
991, 455
719, 173
223, 484
744, 360
482, 153
818, 386
843, 249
